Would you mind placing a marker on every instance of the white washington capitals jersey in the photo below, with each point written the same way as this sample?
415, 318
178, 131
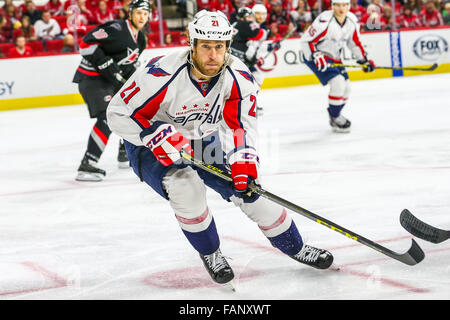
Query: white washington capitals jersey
326, 34
165, 91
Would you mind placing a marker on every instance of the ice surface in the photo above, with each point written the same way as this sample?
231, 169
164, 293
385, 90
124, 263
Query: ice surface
62, 239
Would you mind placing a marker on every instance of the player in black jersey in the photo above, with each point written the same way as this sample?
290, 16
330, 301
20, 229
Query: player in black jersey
245, 30
109, 57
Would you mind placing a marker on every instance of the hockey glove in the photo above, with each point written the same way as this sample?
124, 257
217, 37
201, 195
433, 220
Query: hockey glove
320, 61
368, 65
166, 143
244, 170
111, 72
274, 46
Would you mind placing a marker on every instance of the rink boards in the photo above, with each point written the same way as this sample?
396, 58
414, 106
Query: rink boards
47, 81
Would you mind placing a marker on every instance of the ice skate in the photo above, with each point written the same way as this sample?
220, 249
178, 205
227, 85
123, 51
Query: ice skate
218, 267
340, 124
122, 157
314, 257
87, 171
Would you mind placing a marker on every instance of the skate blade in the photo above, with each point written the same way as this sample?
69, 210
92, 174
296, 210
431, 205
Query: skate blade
91, 177
340, 130
124, 164
230, 286
334, 267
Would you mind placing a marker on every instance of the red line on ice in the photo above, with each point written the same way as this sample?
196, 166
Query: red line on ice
344, 268
61, 282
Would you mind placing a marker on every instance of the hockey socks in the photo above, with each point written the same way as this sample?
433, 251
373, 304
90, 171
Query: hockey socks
98, 139
289, 242
335, 110
205, 242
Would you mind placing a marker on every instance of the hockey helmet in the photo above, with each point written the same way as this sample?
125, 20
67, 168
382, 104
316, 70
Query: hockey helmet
244, 12
139, 4
340, 1
208, 25
259, 8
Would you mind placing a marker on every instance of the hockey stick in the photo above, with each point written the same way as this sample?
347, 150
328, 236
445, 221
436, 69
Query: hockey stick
413, 256
431, 68
421, 229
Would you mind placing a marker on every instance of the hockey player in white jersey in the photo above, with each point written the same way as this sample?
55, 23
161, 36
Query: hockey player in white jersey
202, 99
322, 45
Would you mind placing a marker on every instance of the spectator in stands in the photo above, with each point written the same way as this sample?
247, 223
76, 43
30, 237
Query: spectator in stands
3, 37
378, 4
274, 33
221, 5
301, 16
47, 28
154, 13
20, 49
290, 29
78, 23
446, 13
371, 21
409, 19
314, 6
26, 30
416, 6
103, 14
202, 4
430, 16
357, 9
122, 14
32, 11
5, 4
69, 44
278, 14
168, 39
84, 11
12, 21
387, 19
114, 6
55, 7
125, 4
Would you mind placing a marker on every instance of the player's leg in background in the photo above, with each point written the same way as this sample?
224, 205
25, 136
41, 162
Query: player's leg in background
98, 138
96, 93
337, 97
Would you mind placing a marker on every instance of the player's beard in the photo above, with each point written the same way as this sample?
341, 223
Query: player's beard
206, 70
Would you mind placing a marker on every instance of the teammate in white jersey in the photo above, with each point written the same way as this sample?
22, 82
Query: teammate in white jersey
203, 100
322, 44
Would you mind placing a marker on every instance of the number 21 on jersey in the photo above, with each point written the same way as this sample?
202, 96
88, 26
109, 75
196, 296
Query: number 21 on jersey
129, 92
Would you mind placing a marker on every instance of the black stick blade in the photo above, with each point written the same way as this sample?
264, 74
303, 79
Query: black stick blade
434, 66
421, 229
414, 255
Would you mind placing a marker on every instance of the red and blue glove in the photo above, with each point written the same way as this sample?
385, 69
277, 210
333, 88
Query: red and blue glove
166, 143
320, 61
368, 65
244, 170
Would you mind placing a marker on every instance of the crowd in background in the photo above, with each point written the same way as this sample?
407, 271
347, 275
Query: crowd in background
28, 29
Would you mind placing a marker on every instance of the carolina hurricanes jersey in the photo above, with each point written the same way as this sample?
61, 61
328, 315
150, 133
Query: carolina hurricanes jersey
326, 34
166, 90
114, 39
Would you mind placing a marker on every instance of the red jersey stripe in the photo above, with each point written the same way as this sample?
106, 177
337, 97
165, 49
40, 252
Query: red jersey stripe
356, 40
144, 114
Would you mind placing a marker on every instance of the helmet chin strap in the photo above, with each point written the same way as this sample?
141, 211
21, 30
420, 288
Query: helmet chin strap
225, 63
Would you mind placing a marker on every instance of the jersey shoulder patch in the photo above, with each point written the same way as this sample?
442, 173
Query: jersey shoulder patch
247, 75
154, 69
